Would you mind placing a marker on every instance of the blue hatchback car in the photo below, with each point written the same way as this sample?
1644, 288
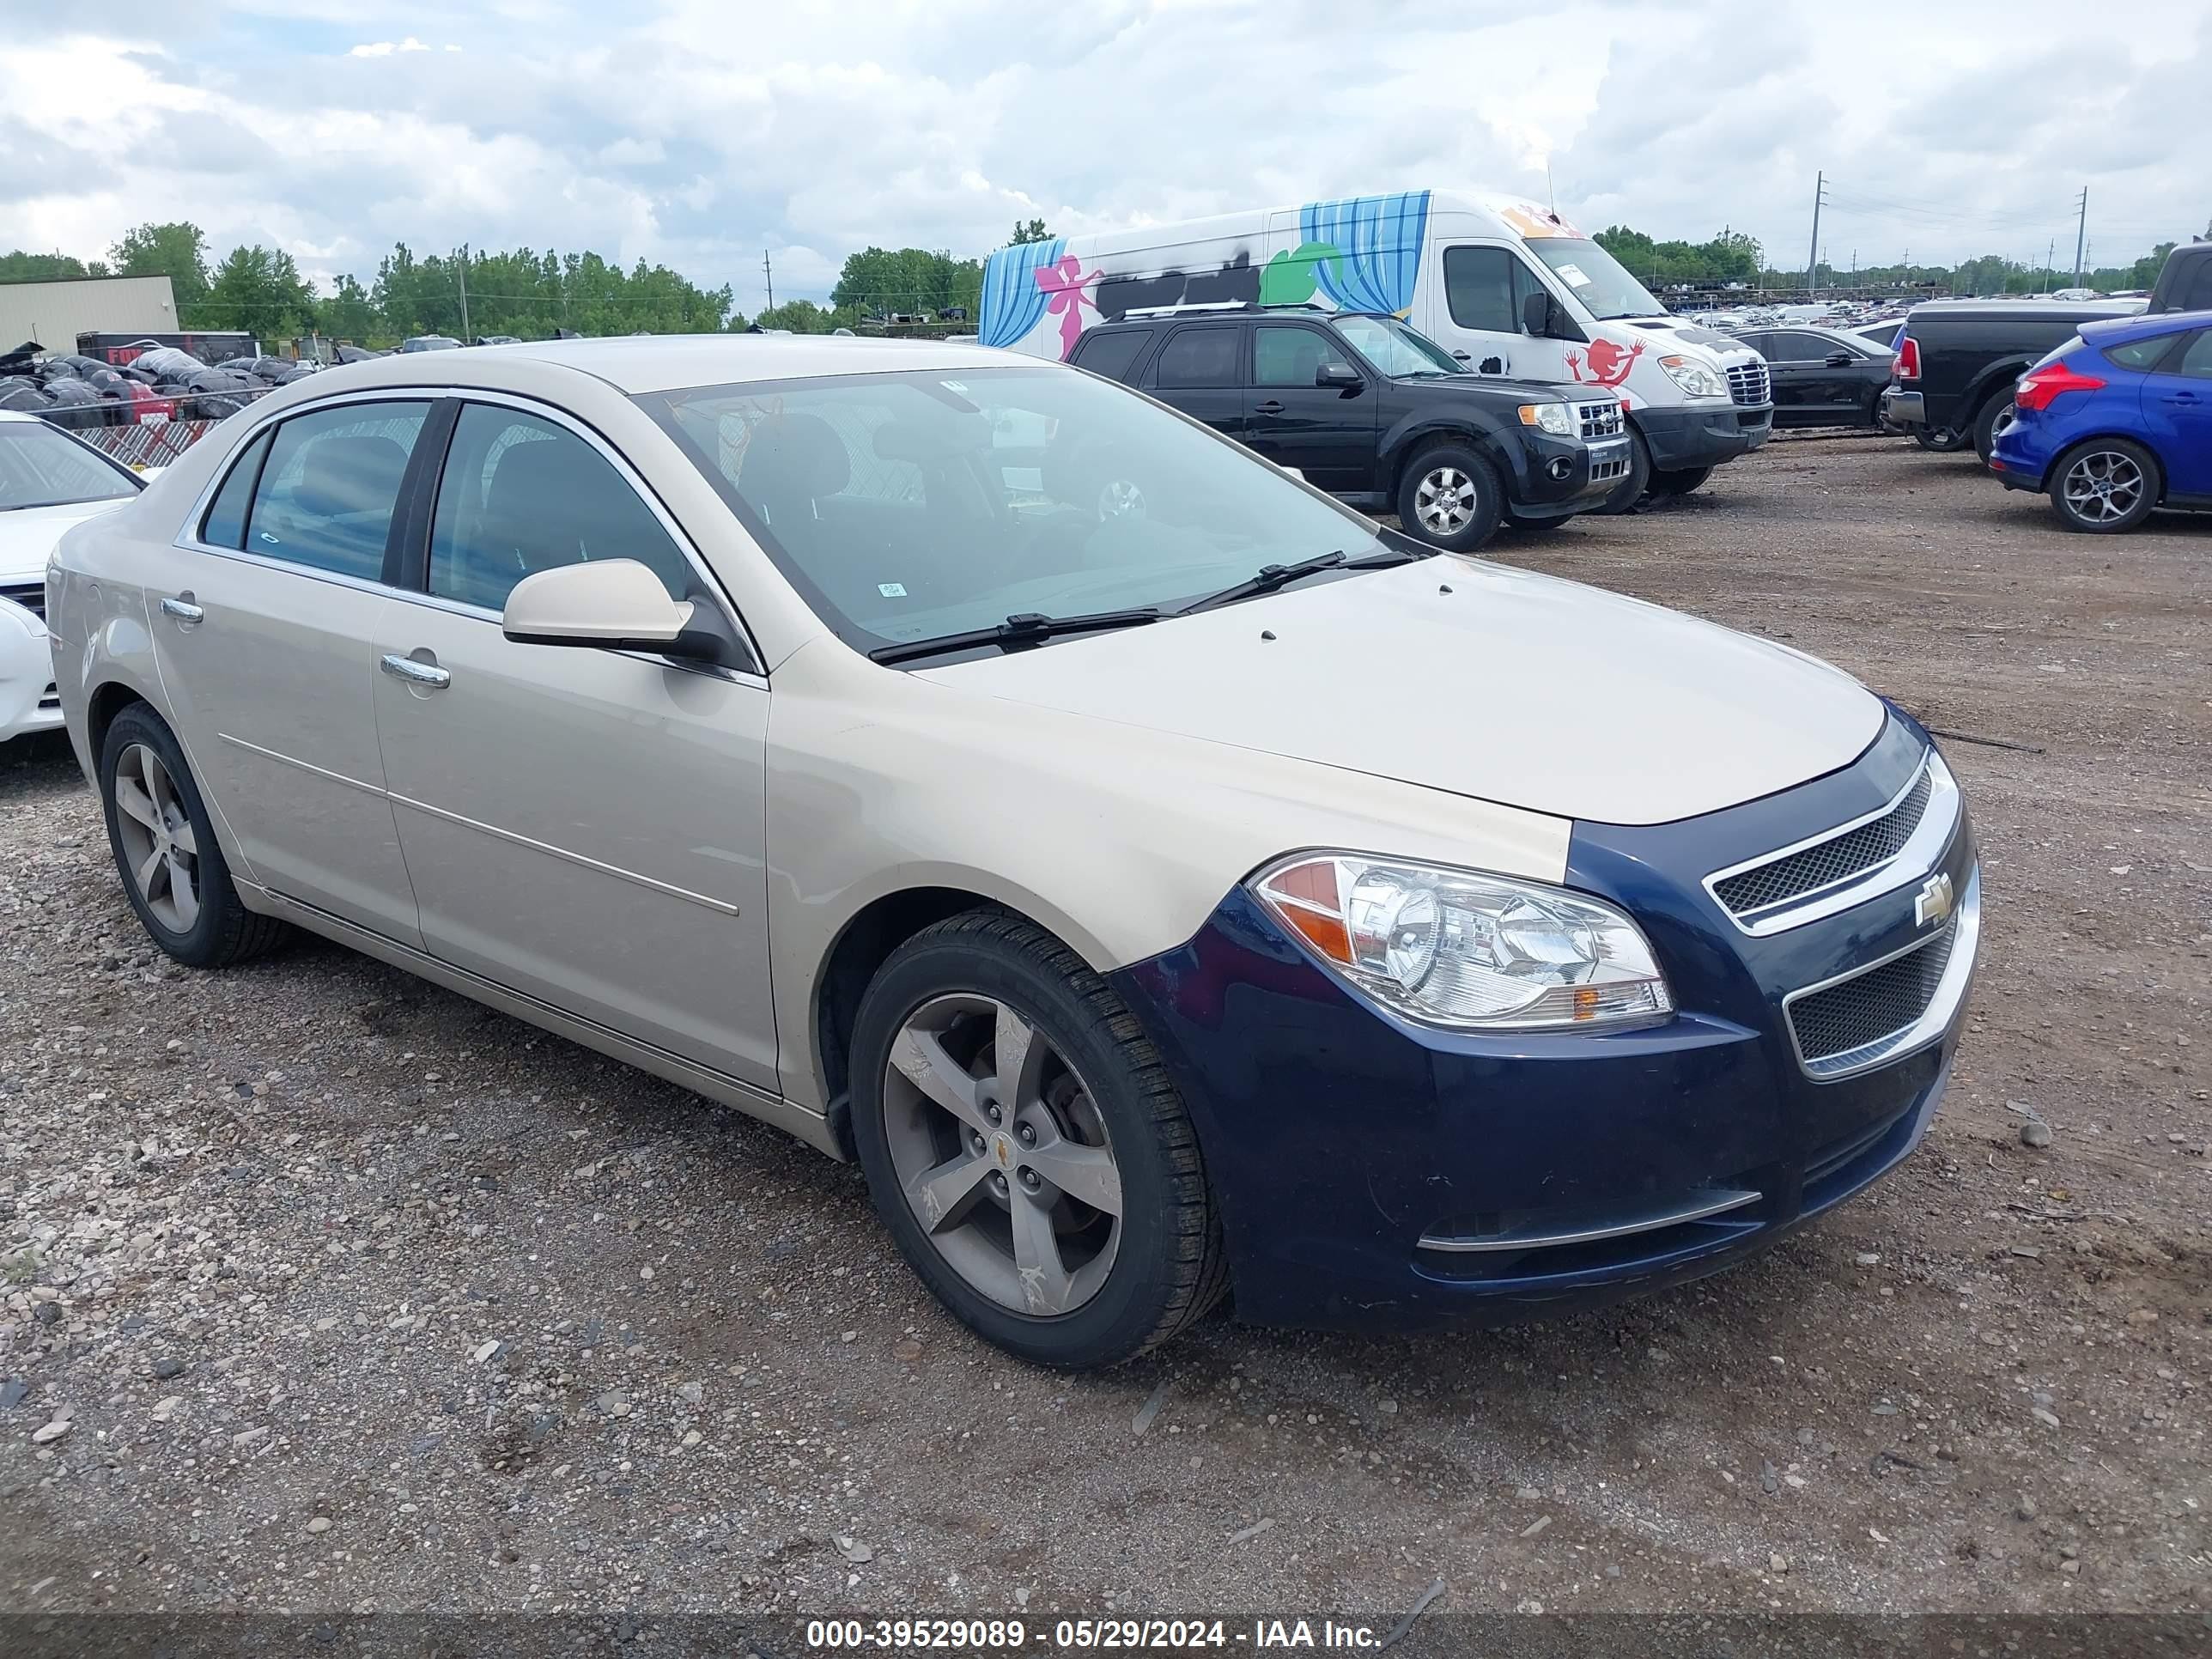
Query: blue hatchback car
2115, 423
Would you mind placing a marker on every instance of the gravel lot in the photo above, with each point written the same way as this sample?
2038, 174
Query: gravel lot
322, 1290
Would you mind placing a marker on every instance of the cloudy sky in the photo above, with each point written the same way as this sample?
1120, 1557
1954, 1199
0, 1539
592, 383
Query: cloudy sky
701, 133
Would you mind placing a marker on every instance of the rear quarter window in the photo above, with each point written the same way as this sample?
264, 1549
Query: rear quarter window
2135, 353
1115, 355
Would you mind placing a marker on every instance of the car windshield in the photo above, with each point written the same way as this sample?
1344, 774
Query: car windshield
912, 506
1397, 350
1596, 277
41, 467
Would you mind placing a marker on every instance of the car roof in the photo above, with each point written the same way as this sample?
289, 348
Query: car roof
665, 362
2117, 330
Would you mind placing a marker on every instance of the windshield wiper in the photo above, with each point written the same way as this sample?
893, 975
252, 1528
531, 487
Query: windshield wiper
1269, 577
1025, 628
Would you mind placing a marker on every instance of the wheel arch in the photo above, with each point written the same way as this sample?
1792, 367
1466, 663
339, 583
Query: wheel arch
866, 941
2067, 450
1404, 445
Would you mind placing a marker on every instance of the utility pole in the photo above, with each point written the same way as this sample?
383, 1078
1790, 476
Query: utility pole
2049, 254
1813, 254
464, 296
2081, 236
769, 271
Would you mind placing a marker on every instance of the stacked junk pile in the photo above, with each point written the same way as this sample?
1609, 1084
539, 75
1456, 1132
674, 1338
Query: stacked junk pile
145, 412
161, 382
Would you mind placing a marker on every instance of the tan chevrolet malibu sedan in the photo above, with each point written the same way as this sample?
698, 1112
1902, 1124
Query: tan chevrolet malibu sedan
1159, 879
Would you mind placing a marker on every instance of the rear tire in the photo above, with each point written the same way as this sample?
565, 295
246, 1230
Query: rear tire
1679, 481
1631, 488
1942, 439
172, 868
2103, 486
1449, 497
948, 1115
1991, 416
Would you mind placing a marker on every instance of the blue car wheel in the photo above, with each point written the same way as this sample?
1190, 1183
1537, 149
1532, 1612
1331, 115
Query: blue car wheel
2104, 486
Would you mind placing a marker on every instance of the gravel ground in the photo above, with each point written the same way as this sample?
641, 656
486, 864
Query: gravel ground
322, 1290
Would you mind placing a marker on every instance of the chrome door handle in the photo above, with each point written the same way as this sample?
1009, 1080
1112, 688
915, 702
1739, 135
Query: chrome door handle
184, 610
428, 676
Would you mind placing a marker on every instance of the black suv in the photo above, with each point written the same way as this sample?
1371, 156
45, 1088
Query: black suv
1380, 417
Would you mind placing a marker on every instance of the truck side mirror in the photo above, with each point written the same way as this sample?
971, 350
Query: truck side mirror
1536, 314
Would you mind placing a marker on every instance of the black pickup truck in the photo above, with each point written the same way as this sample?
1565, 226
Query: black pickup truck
1957, 360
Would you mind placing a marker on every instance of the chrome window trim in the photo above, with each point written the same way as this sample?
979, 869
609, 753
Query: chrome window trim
1935, 1020
187, 538
1919, 855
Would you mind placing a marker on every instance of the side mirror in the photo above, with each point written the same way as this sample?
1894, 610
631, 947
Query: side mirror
615, 603
1840, 360
1342, 377
1536, 314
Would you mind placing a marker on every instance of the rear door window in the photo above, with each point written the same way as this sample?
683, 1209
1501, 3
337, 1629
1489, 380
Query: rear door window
327, 493
1115, 355
1200, 357
224, 524
2196, 361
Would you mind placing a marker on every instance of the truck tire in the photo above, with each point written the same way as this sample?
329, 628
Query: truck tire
1995, 413
1942, 439
1631, 491
1680, 482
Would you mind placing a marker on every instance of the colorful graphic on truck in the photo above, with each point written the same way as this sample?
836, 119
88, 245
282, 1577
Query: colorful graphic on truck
1607, 366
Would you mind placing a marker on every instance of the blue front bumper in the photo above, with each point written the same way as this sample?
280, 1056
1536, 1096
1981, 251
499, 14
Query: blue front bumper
1372, 1173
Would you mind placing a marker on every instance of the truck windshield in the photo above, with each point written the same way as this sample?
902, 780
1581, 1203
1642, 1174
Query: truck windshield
924, 504
1596, 277
41, 467
1397, 350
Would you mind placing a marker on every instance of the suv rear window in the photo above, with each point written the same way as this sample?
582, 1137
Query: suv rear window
1112, 355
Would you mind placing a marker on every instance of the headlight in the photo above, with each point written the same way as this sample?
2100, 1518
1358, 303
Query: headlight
1463, 948
1697, 379
1555, 418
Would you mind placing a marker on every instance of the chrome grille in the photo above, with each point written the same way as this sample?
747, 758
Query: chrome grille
1599, 420
1832, 1024
1603, 470
32, 596
1840, 858
1748, 383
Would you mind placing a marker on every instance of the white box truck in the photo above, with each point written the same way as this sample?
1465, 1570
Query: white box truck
1506, 284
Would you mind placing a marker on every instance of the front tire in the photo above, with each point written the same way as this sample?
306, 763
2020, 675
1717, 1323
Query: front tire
1449, 497
2104, 486
1680, 482
173, 867
1027, 1149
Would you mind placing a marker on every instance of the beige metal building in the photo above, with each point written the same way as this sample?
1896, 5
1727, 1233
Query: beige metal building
55, 313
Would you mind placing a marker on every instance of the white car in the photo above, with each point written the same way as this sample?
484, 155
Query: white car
49, 481
1159, 879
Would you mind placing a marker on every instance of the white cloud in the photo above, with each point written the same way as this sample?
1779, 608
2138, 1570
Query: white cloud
674, 133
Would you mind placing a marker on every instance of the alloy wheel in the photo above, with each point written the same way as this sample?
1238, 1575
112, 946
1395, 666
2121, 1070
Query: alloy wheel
1444, 502
158, 846
1121, 499
2102, 487
1001, 1154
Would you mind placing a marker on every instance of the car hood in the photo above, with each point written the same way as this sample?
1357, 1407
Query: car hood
27, 535
1470, 677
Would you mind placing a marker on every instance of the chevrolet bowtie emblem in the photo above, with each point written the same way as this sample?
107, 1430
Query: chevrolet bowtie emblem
1934, 903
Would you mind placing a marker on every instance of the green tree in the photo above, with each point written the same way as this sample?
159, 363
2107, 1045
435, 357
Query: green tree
878, 282
800, 316
259, 289
350, 313
1034, 231
177, 251
22, 267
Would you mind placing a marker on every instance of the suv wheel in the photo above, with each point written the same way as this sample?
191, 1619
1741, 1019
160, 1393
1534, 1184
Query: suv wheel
1026, 1149
172, 868
1449, 497
1942, 439
1680, 482
2104, 486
